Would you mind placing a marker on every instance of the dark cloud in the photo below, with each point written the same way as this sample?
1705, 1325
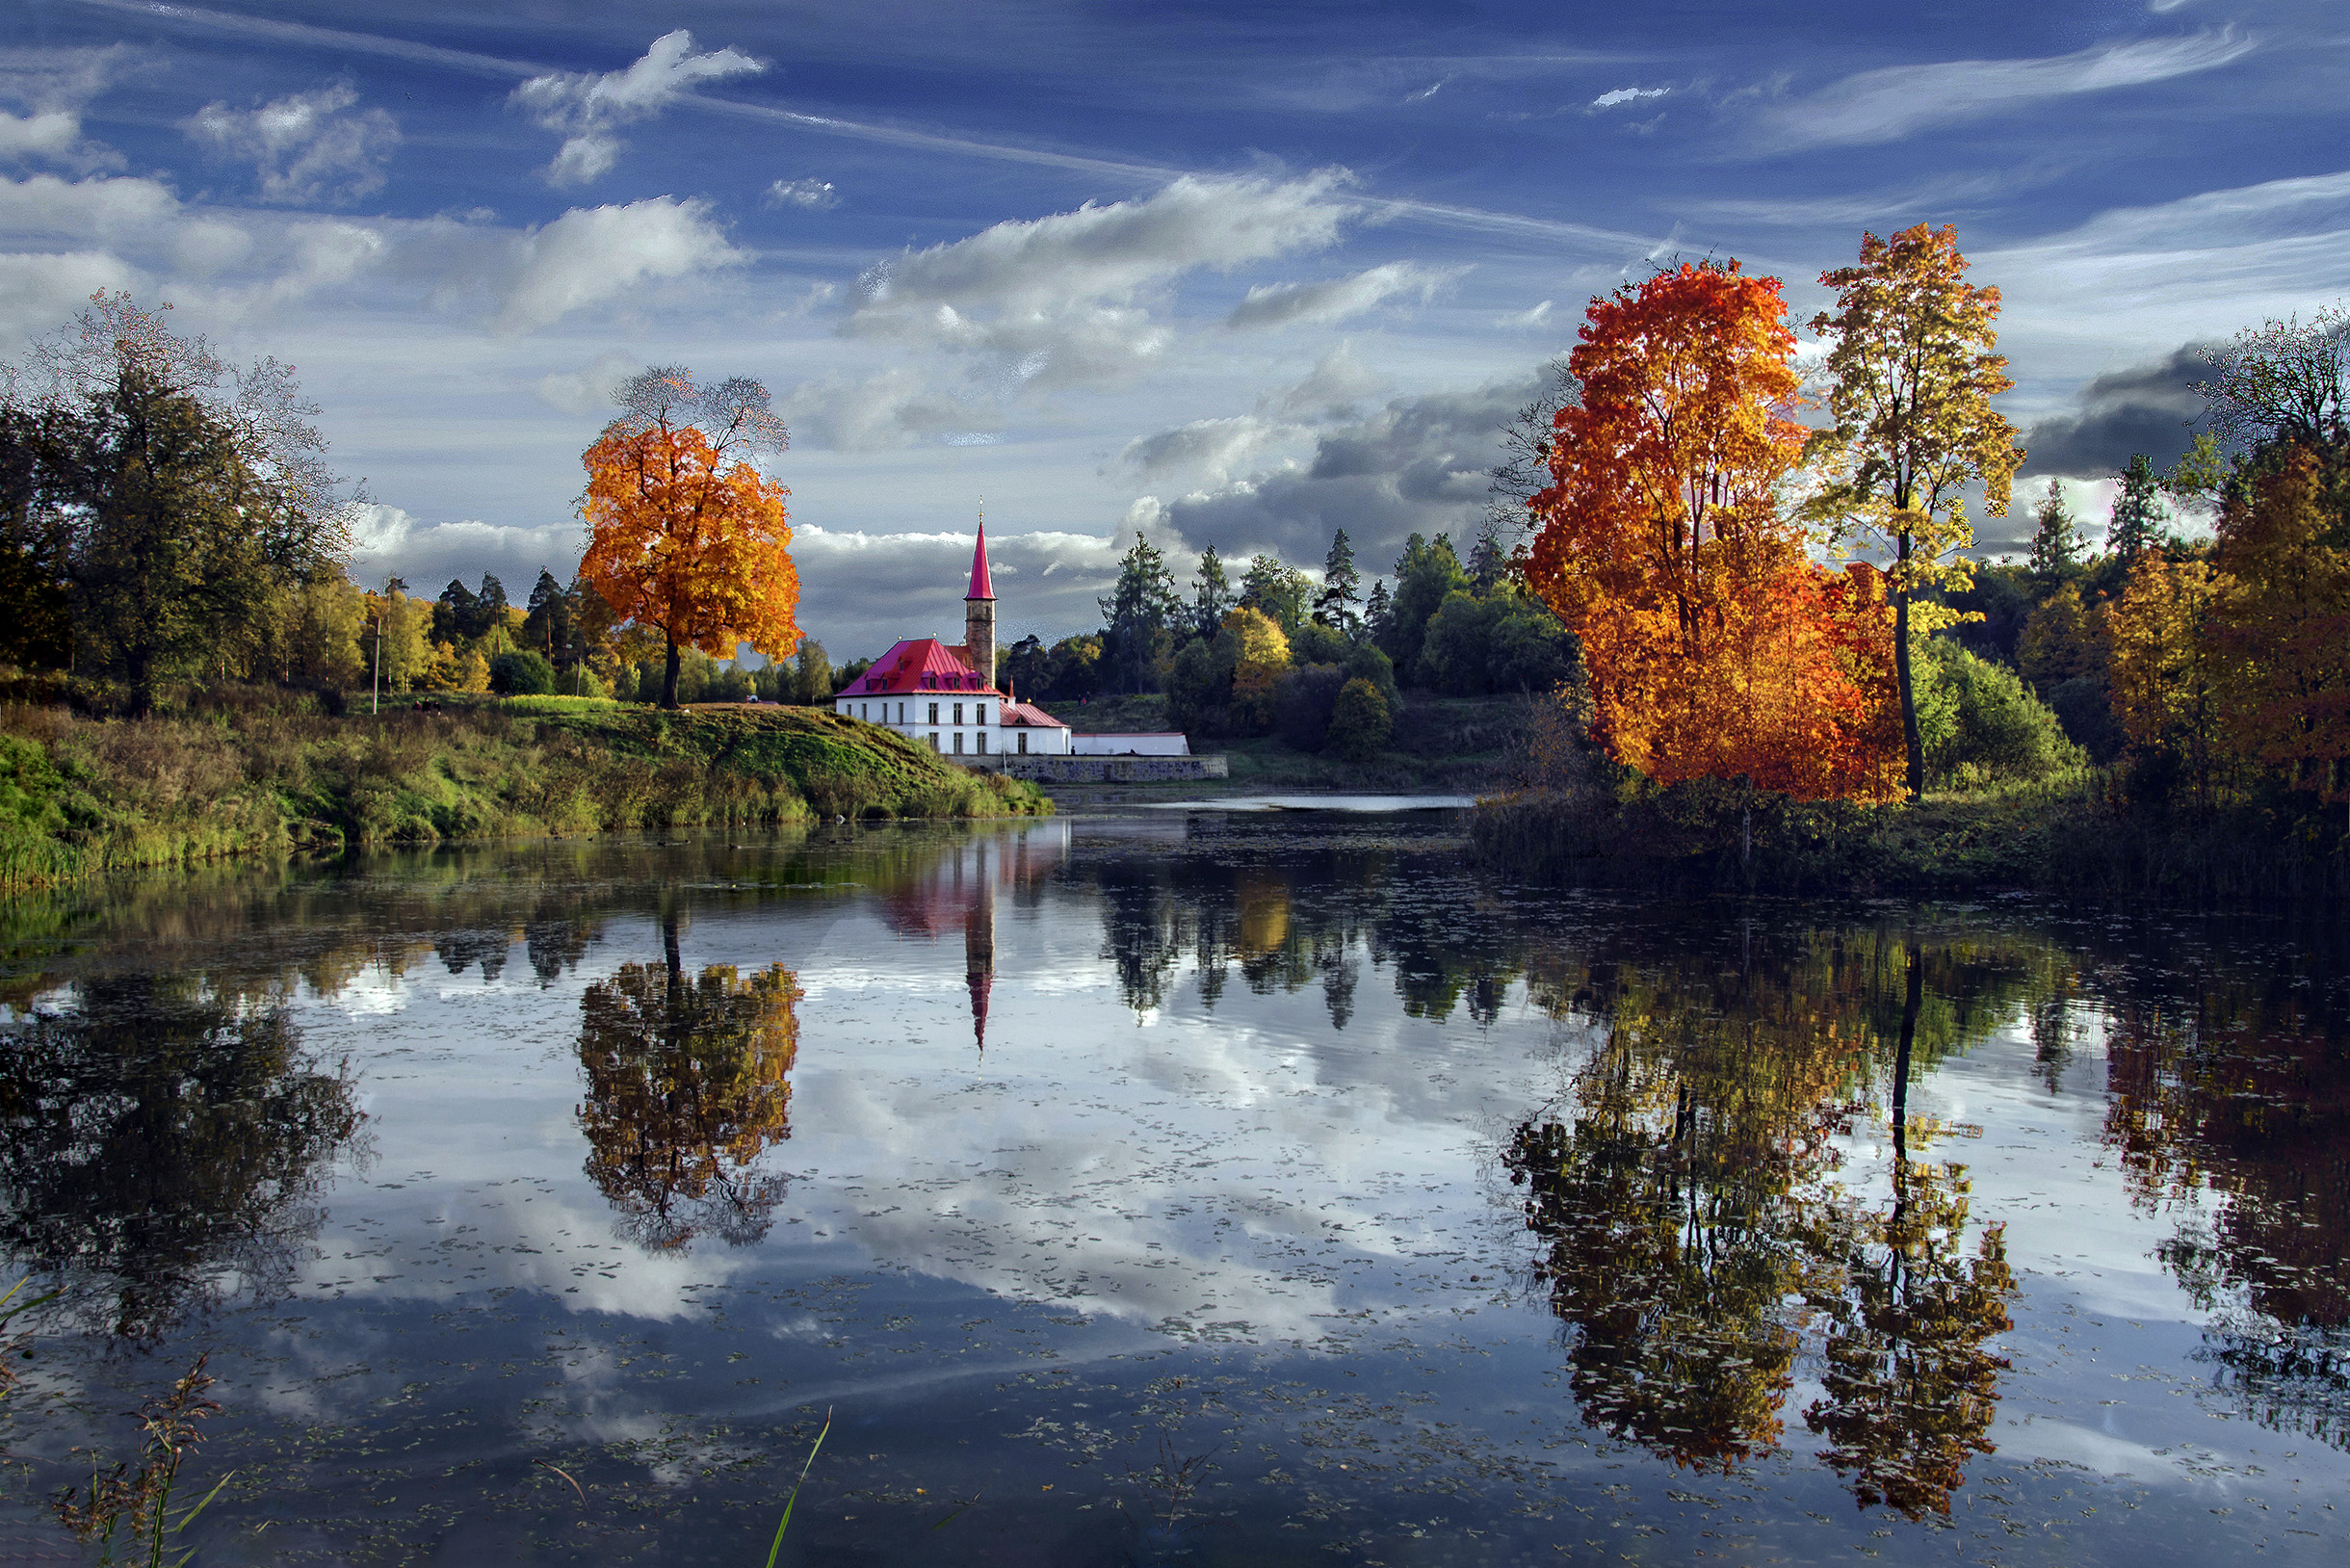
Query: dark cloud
2145, 409
1417, 465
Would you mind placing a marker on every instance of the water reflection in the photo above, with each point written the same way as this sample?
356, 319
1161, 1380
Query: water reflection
687, 1085
1698, 1240
953, 887
2239, 1083
163, 1145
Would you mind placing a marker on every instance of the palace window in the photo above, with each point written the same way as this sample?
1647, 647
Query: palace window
959, 712
982, 741
958, 742
933, 712
1024, 739
934, 739
983, 712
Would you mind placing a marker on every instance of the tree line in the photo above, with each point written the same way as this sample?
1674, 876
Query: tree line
1791, 605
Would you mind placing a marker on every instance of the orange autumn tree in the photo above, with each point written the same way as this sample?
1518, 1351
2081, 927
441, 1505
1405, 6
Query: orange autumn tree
1714, 645
685, 535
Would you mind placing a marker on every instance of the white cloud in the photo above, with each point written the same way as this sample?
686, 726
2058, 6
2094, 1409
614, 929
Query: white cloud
814, 194
1330, 391
1527, 319
2135, 279
894, 407
1286, 304
585, 106
591, 255
1627, 94
104, 208
40, 291
1213, 450
1888, 104
390, 541
1064, 299
305, 146
583, 392
53, 86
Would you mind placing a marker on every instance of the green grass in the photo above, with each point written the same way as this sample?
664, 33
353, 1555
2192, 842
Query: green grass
81, 796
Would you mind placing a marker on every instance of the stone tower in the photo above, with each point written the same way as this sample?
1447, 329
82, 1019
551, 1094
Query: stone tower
980, 614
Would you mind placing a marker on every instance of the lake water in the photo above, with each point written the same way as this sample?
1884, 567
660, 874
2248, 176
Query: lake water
1215, 1186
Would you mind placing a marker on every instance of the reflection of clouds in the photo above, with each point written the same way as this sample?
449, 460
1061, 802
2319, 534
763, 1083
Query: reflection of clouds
1239, 1182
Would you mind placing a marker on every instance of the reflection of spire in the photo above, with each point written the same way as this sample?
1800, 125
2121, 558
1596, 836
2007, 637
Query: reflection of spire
979, 953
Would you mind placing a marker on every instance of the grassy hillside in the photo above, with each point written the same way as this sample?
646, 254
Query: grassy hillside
256, 773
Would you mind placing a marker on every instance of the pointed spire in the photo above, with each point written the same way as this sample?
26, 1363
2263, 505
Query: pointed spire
982, 587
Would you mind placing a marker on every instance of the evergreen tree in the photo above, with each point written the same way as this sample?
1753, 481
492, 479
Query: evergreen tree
2056, 542
1211, 592
1341, 588
1277, 590
492, 600
1423, 576
1140, 608
547, 628
1377, 612
2138, 512
1488, 559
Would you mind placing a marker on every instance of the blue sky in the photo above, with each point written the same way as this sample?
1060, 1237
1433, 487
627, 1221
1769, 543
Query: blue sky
1230, 274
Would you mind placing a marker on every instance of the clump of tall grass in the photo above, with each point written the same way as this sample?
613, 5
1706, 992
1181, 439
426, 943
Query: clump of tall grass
137, 1502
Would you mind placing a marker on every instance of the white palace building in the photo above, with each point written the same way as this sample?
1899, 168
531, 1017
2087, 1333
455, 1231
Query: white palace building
935, 694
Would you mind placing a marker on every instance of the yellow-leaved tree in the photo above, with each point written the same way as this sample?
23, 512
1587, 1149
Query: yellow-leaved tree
1915, 373
684, 534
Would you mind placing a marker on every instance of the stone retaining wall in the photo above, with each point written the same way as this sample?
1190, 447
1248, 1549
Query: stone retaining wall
1043, 769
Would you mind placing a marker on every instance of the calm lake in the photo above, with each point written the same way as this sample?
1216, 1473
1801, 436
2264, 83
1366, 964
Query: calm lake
1214, 1186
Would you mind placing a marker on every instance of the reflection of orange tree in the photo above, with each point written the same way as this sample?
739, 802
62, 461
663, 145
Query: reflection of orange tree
1909, 1391
1669, 1214
687, 1085
1694, 1237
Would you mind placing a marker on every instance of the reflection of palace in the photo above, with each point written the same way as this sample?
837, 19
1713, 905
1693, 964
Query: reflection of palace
957, 891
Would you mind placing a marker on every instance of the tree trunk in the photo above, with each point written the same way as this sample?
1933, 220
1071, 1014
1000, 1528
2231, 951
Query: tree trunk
1911, 1001
1912, 745
668, 679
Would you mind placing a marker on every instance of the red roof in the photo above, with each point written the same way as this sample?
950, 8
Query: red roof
980, 586
1023, 713
921, 663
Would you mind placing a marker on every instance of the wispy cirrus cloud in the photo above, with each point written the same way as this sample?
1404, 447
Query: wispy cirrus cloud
587, 107
1891, 103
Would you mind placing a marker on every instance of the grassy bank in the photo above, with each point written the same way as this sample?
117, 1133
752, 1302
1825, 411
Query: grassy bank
2070, 836
269, 773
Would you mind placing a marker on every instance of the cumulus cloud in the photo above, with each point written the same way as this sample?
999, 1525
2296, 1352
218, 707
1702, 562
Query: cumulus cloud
861, 590
894, 407
2146, 409
1065, 300
39, 290
814, 194
1288, 304
307, 147
391, 542
1627, 94
52, 87
45, 206
593, 255
1888, 104
587, 107
583, 392
1213, 449
1418, 464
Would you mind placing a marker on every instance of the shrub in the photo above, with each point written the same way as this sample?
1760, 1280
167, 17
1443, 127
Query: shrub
1981, 722
1360, 724
523, 674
